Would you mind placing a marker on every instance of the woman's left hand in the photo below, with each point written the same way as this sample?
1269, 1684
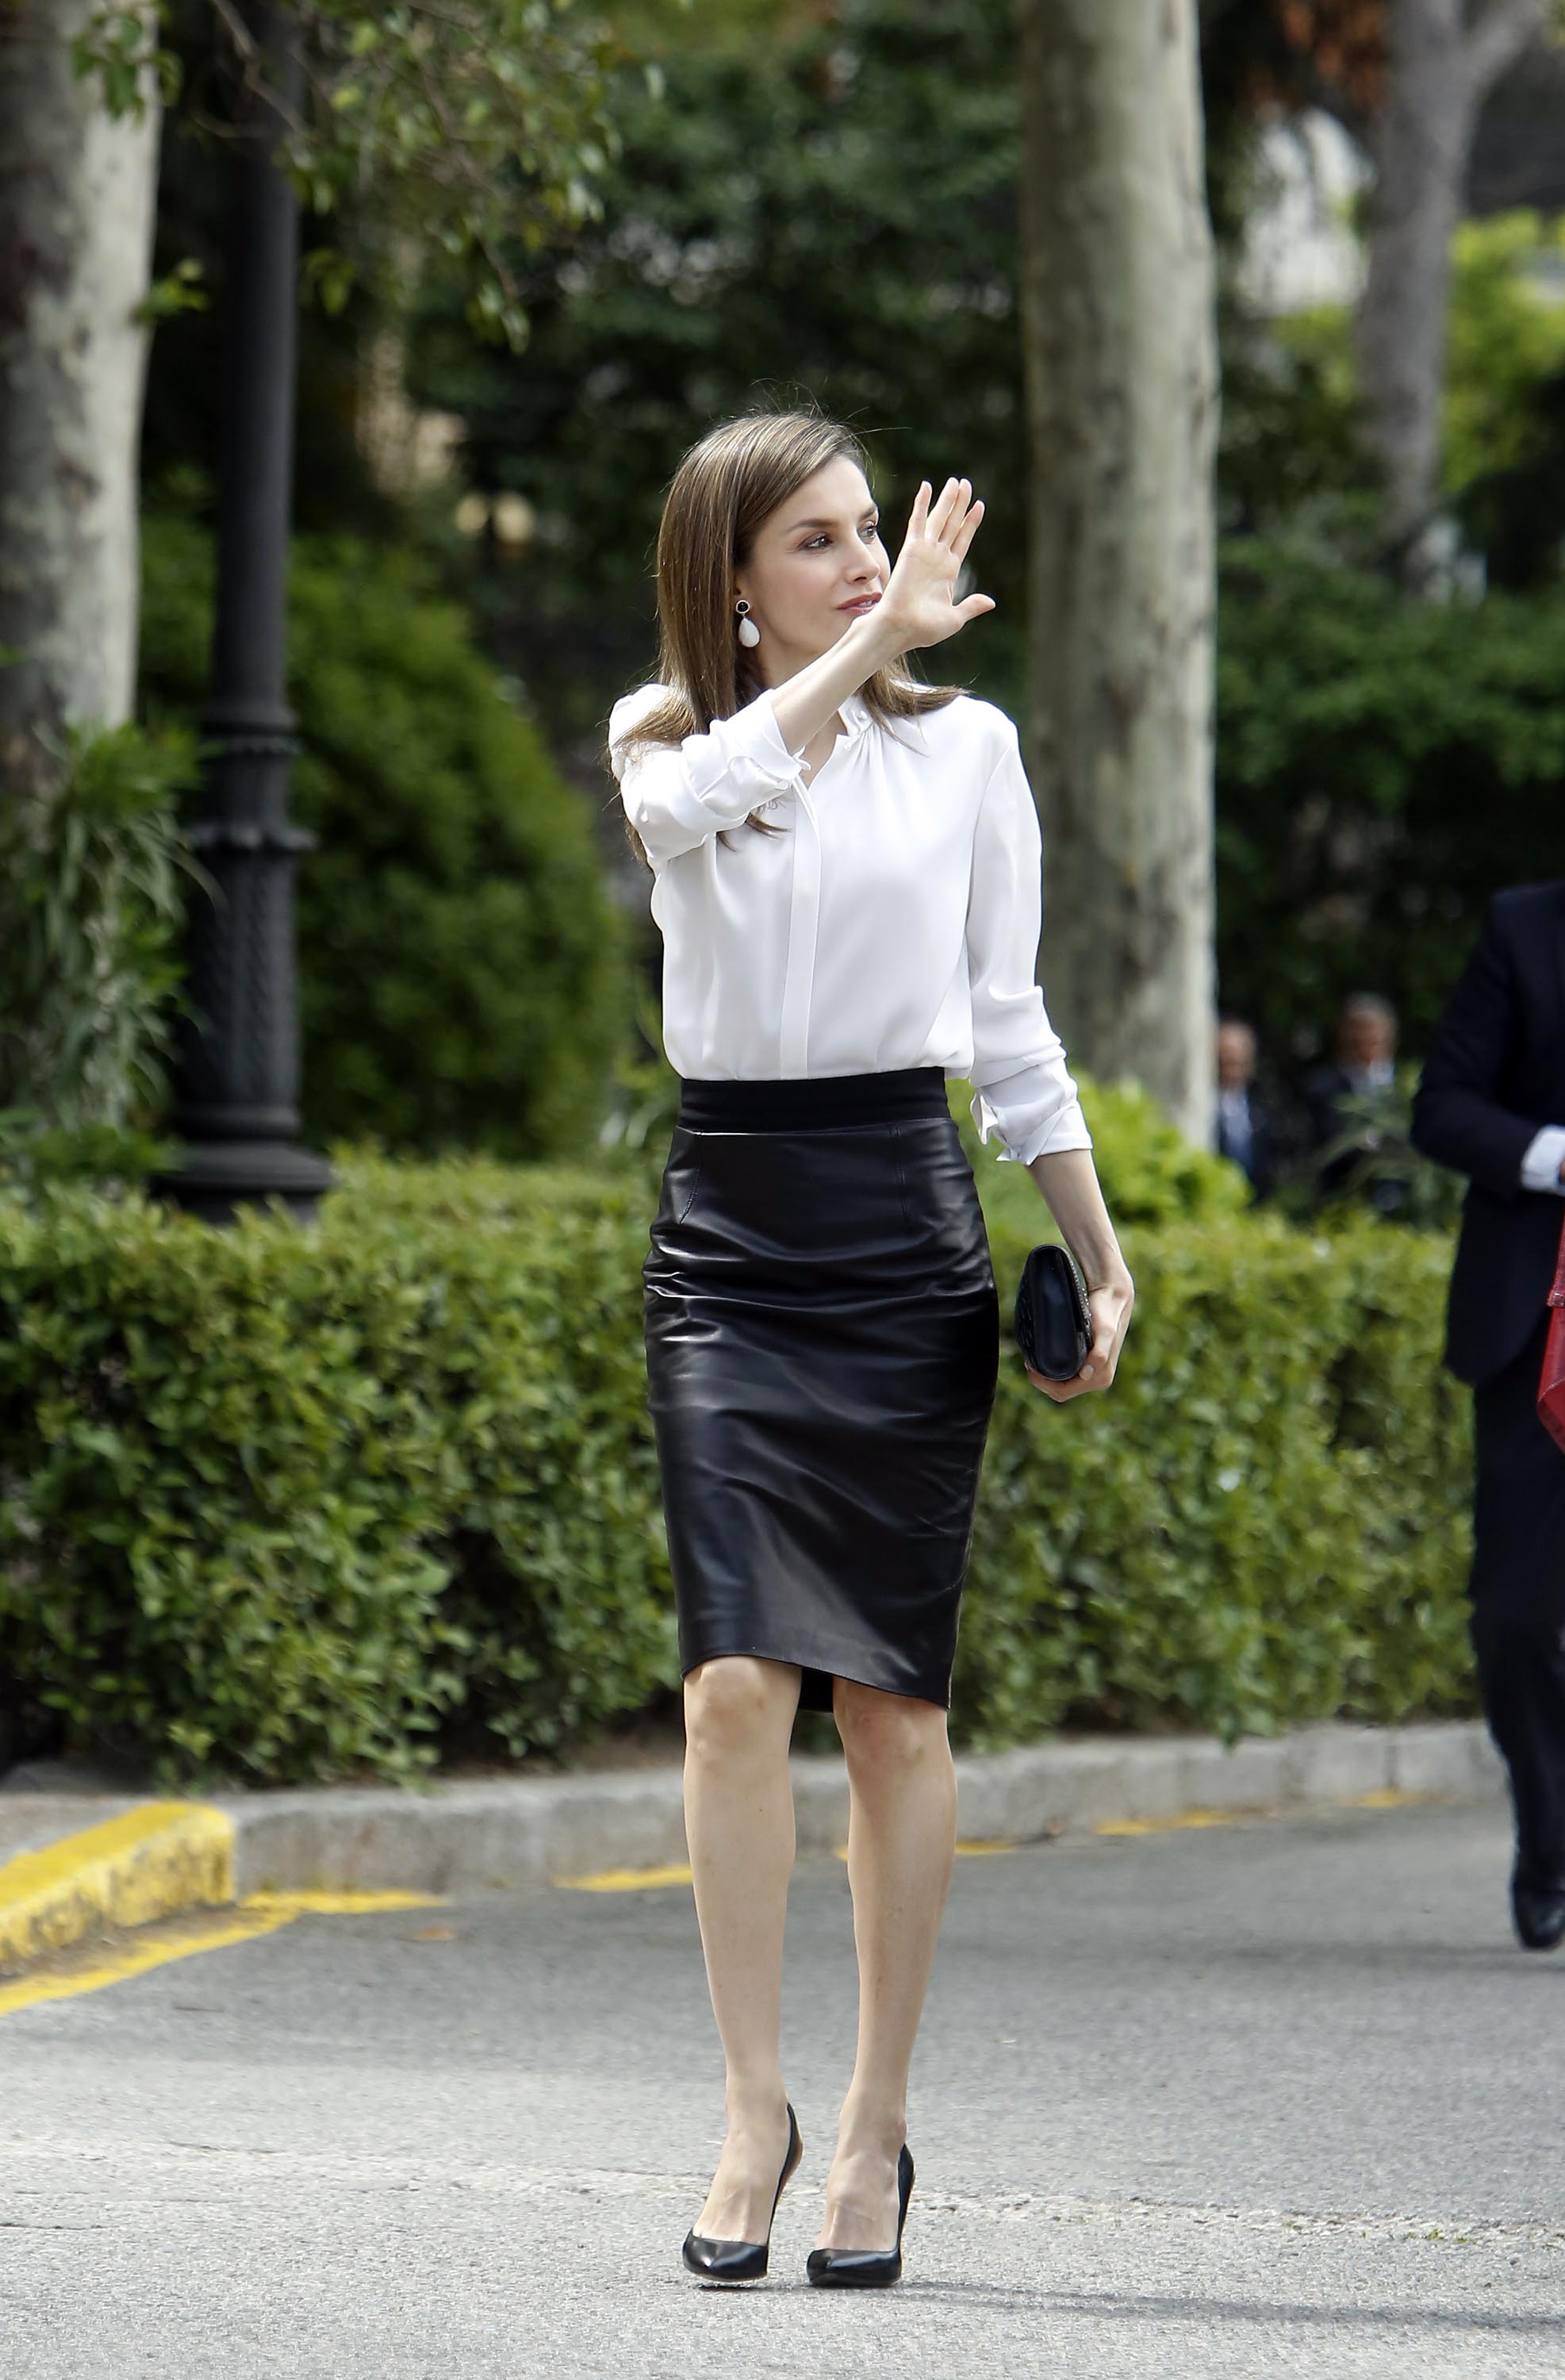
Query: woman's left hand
1110, 1306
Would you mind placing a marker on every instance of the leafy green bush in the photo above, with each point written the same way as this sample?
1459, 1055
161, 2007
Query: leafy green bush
1150, 1173
275, 1498
461, 966
92, 903
284, 1501
1265, 1521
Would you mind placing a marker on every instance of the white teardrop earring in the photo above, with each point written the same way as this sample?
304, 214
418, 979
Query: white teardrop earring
748, 632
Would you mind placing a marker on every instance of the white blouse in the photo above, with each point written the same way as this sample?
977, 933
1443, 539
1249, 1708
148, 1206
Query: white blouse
895, 922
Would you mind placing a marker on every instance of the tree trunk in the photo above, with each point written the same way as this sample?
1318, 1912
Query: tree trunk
77, 197
1444, 56
1121, 374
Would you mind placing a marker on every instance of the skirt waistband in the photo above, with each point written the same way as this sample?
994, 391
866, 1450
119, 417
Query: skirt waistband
813, 1103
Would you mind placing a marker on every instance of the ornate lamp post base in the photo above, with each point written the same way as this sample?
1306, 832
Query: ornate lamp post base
236, 1073
215, 1178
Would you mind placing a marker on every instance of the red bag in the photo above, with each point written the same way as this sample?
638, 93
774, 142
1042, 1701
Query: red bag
1551, 1387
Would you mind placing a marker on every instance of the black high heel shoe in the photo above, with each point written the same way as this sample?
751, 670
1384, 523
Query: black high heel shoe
743, 2260
866, 2268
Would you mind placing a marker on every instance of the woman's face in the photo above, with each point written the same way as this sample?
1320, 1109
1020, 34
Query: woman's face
816, 557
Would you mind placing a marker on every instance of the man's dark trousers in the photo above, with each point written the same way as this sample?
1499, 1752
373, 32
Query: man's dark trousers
1494, 1076
1518, 1587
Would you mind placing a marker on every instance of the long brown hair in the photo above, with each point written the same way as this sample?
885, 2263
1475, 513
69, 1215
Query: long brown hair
731, 482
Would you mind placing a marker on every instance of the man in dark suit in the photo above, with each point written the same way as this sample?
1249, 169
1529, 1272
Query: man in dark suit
1347, 1095
1492, 1104
1245, 1133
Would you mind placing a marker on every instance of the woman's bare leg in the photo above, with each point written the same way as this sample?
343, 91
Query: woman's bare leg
739, 1824
902, 1836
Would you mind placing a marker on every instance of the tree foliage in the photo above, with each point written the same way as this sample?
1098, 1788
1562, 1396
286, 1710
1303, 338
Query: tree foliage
1293, 460
472, 126
827, 203
1383, 767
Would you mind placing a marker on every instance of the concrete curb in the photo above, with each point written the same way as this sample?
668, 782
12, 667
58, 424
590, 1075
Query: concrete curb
541, 1829
159, 1858
149, 1862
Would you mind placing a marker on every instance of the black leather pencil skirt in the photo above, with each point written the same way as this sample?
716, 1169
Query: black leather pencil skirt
823, 1348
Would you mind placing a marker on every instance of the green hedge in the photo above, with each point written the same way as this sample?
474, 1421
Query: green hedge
288, 1502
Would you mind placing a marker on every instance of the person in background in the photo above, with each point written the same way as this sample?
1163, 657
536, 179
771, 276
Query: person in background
1491, 1103
1244, 1132
1362, 1072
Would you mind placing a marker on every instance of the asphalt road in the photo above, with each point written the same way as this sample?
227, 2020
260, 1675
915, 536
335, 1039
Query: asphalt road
1274, 2098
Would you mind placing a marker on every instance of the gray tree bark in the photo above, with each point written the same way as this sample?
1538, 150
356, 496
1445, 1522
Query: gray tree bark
1445, 57
77, 198
1121, 377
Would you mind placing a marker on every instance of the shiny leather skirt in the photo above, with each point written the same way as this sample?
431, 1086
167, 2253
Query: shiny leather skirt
823, 1348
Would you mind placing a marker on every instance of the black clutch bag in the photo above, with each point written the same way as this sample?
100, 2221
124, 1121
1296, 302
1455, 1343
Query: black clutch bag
1053, 1320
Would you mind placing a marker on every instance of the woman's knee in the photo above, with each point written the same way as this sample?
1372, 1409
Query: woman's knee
738, 1704
888, 1732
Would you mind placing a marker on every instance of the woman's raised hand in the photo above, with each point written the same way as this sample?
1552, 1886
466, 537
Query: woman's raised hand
917, 601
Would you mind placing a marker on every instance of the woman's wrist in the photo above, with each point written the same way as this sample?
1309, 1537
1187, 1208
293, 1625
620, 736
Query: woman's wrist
802, 704
1098, 1258
1067, 1180
1101, 1261
873, 639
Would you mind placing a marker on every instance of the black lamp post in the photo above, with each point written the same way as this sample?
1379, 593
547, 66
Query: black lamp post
236, 1067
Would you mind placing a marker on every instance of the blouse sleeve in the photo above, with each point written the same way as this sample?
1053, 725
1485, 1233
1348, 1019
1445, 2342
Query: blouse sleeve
677, 796
1022, 1090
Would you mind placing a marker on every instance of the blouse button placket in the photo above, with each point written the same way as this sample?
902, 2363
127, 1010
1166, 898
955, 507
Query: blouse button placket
804, 916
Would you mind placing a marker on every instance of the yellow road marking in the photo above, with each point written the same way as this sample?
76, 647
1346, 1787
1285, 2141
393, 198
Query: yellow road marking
138, 1958
649, 1879
340, 1904
1171, 1825
263, 1912
1386, 1797
161, 1857
969, 1849
624, 1880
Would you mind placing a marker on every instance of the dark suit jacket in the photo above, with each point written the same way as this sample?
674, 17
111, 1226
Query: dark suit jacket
1495, 1074
1324, 1088
1260, 1171
1326, 1091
